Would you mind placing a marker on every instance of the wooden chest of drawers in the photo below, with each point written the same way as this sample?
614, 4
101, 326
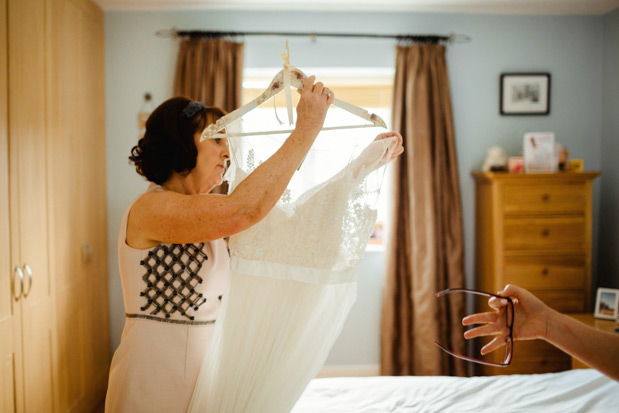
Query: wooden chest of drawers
534, 230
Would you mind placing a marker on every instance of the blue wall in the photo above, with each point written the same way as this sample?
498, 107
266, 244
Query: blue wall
572, 48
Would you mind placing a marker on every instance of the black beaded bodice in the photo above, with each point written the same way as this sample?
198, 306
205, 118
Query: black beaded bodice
171, 278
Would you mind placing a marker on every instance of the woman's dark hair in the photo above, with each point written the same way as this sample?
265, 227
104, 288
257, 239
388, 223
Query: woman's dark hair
168, 144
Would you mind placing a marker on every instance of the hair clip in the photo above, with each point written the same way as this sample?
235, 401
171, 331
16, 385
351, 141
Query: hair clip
192, 108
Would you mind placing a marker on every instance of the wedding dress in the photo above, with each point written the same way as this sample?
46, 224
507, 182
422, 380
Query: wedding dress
292, 281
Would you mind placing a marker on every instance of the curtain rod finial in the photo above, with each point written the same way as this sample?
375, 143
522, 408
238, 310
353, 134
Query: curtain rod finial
167, 33
459, 38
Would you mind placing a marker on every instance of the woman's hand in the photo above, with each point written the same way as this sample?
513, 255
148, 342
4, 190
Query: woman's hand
313, 105
398, 150
530, 318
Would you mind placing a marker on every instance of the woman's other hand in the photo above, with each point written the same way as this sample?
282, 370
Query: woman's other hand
398, 150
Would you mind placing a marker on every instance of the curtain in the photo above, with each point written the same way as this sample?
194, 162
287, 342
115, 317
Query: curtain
425, 248
211, 71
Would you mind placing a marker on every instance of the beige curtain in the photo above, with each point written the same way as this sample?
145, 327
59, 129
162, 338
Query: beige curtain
211, 71
425, 249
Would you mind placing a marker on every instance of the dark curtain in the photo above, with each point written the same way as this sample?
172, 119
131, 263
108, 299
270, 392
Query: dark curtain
425, 249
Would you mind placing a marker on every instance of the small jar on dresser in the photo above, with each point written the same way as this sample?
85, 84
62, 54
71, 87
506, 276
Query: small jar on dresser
534, 230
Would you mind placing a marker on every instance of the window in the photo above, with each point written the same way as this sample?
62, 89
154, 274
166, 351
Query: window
369, 88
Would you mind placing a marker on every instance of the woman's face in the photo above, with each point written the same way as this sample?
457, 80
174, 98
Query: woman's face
213, 156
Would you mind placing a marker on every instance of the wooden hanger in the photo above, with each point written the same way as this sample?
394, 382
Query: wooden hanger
289, 76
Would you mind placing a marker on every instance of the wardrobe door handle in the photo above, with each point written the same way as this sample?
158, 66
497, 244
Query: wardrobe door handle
29, 272
21, 281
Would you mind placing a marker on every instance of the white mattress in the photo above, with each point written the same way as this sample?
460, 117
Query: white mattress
569, 391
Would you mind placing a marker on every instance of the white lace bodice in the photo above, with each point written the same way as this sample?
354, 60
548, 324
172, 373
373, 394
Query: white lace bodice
326, 228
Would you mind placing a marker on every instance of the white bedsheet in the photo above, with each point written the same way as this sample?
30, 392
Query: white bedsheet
569, 391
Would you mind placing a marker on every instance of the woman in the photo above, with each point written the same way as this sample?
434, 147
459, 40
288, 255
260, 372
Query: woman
172, 256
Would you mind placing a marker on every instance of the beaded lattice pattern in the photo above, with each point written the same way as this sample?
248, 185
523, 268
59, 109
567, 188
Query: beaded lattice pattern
171, 278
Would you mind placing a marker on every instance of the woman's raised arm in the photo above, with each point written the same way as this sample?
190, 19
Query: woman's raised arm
171, 217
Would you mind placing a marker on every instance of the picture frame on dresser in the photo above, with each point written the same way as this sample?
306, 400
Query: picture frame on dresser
607, 303
524, 94
539, 152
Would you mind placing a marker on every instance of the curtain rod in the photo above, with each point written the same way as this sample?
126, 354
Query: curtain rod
427, 38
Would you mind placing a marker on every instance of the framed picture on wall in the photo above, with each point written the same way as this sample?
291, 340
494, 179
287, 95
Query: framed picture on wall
606, 303
525, 94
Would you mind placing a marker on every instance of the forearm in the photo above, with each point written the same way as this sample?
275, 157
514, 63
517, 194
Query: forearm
261, 190
597, 349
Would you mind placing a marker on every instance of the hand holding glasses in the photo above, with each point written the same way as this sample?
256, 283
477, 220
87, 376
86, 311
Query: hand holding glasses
499, 323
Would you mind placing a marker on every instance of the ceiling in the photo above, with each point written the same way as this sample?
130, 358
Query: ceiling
558, 7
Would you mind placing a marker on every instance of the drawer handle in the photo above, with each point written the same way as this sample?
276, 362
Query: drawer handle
87, 252
546, 197
545, 271
545, 232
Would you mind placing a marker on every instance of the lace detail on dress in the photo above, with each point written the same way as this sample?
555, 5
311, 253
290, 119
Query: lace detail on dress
325, 228
171, 277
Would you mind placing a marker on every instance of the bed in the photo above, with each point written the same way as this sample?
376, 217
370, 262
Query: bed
570, 391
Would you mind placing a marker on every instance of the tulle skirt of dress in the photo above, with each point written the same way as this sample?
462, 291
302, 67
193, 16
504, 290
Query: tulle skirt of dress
306, 317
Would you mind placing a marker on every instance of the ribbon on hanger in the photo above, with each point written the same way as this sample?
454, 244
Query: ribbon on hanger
285, 55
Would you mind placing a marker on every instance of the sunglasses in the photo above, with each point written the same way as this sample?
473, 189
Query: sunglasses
509, 320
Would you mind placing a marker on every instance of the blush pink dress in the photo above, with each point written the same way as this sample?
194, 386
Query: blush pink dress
172, 294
